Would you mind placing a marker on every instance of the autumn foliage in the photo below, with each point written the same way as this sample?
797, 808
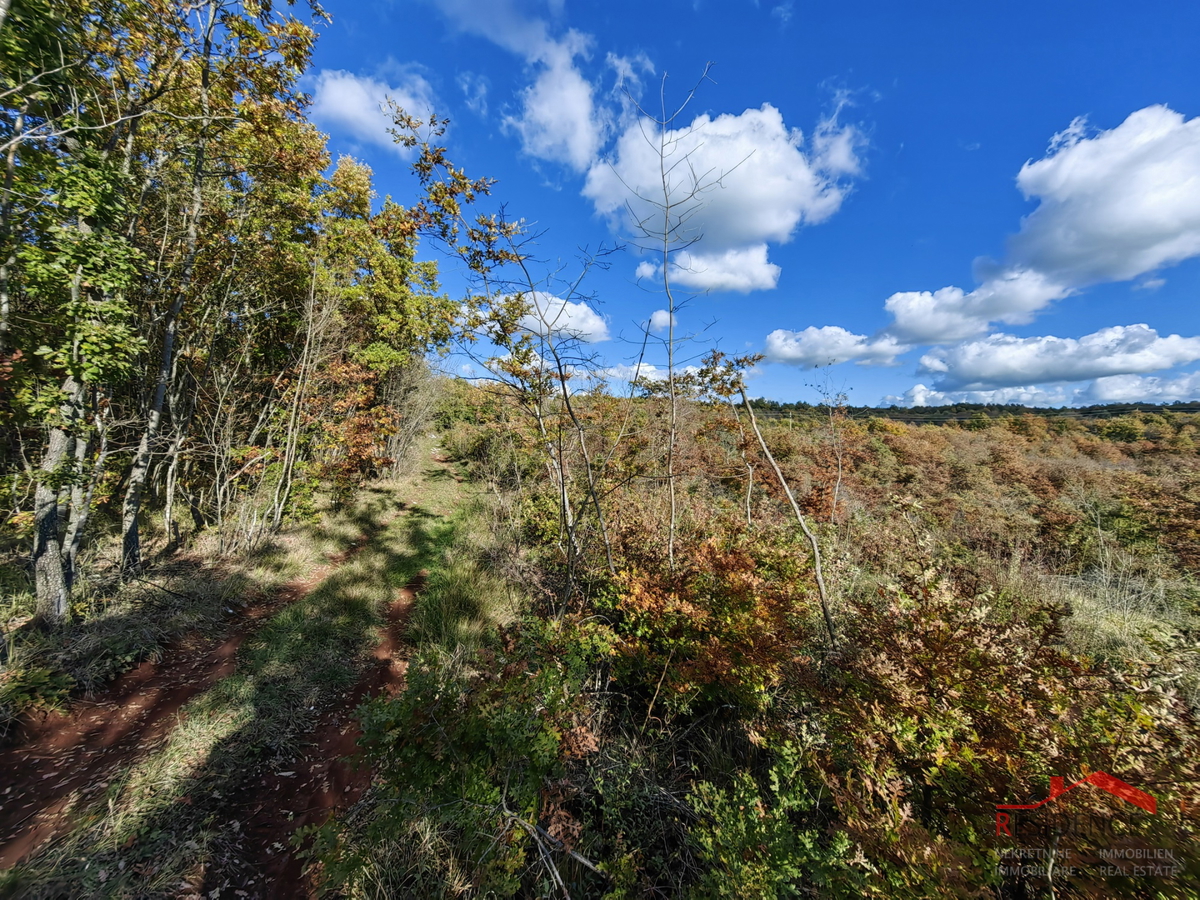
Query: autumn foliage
1012, 602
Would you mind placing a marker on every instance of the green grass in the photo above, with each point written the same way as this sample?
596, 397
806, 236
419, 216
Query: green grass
115, 626
464, 599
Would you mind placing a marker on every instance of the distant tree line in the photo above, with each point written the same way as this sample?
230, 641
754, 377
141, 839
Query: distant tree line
965, 412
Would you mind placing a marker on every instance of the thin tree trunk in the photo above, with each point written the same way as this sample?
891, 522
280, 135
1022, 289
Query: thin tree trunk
558, 474
83, 447
748, 464
182, 398
674, 423
131, 555
284, 488
812, 538
587, 459
839, 452
82, 510
172, 476
49, 578
6, 206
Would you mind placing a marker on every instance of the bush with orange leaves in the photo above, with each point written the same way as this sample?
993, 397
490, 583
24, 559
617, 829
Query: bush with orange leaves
724, 623
945, 703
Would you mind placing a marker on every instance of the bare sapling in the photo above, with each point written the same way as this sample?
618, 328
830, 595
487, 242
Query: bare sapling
725, 379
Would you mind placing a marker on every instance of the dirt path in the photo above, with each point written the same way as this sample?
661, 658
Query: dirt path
76, 752
189, 776
323, 781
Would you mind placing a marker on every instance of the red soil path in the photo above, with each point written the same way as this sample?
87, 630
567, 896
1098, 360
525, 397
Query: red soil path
67, 754
322, 781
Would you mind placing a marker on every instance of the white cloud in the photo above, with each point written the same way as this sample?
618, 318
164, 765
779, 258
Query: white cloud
950, 314
1112, 207
1116, 205
762, 179
661, 318
1001, 360
624, 372
645, 372
502, 22
1152, 389
629, 71
1109, 389
353, 105
784, 12
560, 120
920, 395
829, 345
550, 315
762, 182
646, 269
741, 269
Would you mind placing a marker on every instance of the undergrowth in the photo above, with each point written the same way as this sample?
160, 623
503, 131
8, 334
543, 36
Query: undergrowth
1009, 604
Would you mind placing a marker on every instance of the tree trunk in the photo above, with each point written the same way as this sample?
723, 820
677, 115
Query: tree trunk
581, 436
50, 580
283, 489
6, 205
131, 551
81, 508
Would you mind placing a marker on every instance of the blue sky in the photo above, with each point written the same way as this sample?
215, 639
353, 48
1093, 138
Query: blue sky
920, 203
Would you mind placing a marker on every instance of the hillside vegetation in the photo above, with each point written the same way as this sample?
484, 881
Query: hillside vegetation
1009, 603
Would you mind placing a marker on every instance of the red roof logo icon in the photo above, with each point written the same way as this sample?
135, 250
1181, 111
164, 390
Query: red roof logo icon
1102, 780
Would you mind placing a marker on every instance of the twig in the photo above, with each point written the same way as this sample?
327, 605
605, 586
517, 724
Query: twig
163, 589
650, 709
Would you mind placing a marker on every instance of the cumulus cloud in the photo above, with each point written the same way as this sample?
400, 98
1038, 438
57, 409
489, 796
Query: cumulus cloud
951, 314
1150, 389
1001, 360
645, 372
1108, 389
1115, 205
829, 345
740, 269
761, 181
920, 395
660, 319
560, 120
551, 315
1112, 206
353, 105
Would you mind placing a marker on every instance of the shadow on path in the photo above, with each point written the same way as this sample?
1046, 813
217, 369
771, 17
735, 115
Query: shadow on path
290, 684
